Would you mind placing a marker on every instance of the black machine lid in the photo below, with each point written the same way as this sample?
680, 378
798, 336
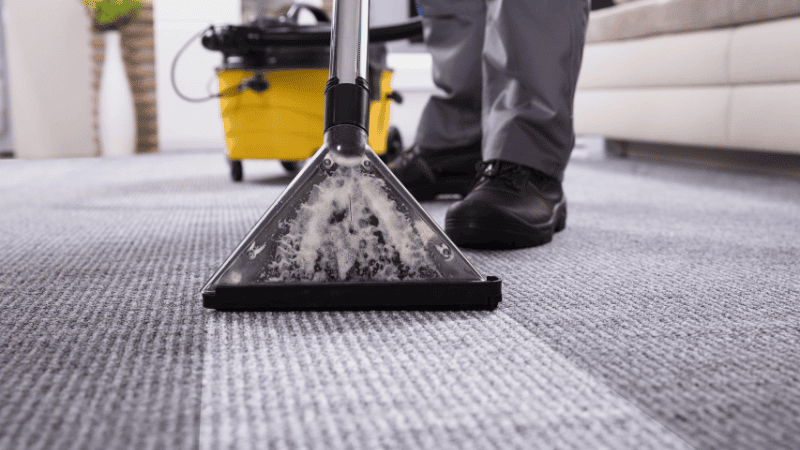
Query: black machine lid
279, 43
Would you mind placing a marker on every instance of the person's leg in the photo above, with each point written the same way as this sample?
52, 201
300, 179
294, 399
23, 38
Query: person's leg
448, 142
454, 36
531, 57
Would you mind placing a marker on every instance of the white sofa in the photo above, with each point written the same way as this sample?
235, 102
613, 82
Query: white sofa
713, 73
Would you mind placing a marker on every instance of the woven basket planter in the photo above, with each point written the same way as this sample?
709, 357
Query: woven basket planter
138, 52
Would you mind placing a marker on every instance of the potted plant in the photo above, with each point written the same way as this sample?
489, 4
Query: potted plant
116, 111
112, 14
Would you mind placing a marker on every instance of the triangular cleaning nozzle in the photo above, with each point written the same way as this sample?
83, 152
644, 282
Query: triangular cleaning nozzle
345, 234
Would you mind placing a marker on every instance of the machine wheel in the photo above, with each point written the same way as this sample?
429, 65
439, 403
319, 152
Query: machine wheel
293, 166
394, 144
236, 170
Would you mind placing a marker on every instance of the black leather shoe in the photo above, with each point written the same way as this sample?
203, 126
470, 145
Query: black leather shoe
510, 206
427, 173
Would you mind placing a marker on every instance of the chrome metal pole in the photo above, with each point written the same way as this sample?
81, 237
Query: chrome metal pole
349, 40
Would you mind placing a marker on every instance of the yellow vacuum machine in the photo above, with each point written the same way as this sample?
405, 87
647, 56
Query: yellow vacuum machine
272, 86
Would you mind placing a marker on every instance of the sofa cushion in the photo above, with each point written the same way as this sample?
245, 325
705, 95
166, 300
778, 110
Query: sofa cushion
638, 18
732, 55
748, 62
684, 59
753, 117
691, 116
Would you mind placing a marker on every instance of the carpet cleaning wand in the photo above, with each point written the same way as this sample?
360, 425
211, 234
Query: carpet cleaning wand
346, 234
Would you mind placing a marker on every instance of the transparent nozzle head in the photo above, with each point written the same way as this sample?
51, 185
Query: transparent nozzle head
344, 218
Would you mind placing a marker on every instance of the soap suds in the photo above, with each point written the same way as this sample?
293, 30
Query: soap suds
349, 230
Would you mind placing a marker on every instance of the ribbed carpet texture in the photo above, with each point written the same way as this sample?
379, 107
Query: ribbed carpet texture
665, 316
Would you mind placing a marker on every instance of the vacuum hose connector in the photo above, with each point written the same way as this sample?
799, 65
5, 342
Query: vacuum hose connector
347, 103
347, 90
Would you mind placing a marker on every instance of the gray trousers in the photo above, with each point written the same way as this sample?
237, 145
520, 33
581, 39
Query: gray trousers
507, 69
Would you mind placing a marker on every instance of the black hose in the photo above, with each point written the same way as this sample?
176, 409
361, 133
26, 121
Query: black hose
406, 30
409, 29
175, 64
263, 38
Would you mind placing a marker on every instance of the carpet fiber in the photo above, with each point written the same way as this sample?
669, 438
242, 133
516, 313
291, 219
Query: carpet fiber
666, 316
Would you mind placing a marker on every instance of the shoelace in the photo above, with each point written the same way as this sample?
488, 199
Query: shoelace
505, 172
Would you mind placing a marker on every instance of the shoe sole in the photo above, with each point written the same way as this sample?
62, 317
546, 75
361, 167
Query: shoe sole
484, 235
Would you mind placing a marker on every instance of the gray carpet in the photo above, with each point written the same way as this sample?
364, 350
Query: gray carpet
666, 315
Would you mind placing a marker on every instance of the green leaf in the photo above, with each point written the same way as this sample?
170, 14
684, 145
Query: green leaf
110, 11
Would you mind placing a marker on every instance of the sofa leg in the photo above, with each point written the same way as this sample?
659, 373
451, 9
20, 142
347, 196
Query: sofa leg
617, 147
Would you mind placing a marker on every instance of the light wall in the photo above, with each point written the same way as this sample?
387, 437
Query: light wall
183, 125
6, 136
49, 77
